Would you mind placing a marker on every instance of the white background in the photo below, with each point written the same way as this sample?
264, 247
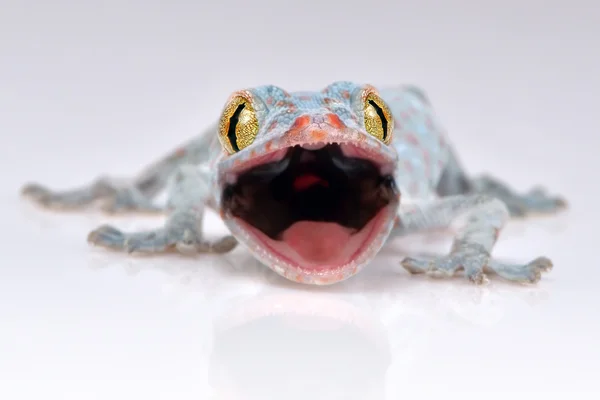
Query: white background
88, 88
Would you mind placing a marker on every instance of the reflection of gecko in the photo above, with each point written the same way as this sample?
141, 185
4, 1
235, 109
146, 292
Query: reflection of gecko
315, 183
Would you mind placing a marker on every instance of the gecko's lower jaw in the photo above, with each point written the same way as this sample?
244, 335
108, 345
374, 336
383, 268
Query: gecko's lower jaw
315, 216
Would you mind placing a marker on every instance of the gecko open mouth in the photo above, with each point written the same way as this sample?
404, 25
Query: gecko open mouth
314, 208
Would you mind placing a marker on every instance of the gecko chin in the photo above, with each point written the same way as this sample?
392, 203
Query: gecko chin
315, 216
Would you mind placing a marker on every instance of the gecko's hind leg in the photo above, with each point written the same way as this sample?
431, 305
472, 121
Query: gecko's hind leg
455, 181
183, 229
535, 201
114, 197
478, 220
135, 195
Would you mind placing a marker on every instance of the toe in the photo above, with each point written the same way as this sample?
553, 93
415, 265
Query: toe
107, 236
534, 276
542, 264
33, 189
478, 278
523, 273
561, 203
445, 267
225, 245
415, 266
37, 193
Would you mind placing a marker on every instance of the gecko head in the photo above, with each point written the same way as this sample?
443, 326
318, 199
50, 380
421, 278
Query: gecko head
306, 181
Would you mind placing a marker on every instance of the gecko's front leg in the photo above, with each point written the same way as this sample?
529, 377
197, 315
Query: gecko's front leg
183, 228
477, 220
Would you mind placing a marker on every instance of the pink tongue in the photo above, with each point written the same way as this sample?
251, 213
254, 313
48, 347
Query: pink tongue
317, 241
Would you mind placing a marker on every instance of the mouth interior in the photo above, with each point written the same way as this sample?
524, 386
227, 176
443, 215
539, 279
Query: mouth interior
312, 206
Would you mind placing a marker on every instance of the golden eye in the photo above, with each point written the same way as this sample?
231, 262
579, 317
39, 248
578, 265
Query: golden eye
378, 118
238, 126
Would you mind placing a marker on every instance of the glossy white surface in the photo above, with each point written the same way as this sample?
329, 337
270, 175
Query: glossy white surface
107, 88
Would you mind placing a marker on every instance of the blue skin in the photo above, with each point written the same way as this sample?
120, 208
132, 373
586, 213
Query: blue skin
484, 201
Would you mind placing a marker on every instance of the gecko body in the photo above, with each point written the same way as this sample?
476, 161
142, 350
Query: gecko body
314, 184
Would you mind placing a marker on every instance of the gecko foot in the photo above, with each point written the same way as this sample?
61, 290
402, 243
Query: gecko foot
114, 199
158, 240
525, 273
535, 201
474, 264
448, 266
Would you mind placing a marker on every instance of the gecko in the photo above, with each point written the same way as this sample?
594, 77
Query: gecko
314, 184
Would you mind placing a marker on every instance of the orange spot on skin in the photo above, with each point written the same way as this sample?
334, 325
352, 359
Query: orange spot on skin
346, 94
268, 146
286, 104
334, 121
300, 122
318, 135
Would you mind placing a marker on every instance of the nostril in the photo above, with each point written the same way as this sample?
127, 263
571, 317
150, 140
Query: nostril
330, 119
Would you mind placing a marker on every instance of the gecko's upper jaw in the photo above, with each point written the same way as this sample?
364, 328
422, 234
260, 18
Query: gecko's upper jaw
315, 211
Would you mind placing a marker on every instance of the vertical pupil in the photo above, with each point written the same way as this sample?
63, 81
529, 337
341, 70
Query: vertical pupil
379, 112
233, 121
